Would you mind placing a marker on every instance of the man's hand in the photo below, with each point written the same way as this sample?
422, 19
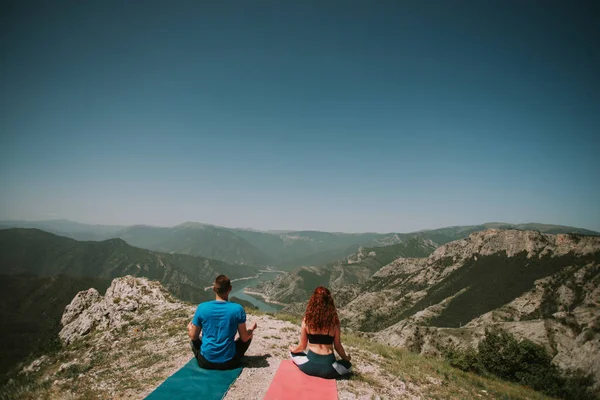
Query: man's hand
193, 331
245, 332
252, 327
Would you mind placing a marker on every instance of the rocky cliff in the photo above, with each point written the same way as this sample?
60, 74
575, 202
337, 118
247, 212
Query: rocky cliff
124, 299
542, 287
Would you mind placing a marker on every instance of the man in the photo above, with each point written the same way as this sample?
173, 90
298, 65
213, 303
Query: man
219, 320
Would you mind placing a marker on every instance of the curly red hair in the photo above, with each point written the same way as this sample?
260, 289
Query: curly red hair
320, 312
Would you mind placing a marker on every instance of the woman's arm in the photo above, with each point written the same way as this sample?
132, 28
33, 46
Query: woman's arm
337, 343
303, 340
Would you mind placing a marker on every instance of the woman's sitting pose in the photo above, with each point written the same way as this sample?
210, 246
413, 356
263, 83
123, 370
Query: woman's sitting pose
321, 332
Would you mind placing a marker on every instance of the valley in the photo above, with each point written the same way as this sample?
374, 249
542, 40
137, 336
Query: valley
241, 285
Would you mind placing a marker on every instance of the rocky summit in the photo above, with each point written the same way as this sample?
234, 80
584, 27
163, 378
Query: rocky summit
124, 344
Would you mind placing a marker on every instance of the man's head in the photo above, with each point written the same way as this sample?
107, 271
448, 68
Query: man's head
222, 285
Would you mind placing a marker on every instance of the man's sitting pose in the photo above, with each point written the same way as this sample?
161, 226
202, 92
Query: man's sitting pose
218, 321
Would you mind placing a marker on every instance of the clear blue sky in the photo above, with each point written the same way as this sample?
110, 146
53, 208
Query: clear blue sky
345, 116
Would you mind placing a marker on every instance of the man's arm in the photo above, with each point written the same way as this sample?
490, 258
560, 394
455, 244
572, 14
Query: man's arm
245, 334
193, 331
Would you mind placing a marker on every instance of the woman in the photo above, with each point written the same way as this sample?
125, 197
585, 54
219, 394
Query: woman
321, 332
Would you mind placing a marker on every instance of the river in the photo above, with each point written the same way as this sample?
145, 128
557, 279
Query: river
239, 286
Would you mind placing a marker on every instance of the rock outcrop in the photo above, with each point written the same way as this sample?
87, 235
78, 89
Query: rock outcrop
90, 311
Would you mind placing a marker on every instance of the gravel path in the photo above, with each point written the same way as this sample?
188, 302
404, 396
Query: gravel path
269, 346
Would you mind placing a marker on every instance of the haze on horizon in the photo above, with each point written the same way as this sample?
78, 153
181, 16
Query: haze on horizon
332, 117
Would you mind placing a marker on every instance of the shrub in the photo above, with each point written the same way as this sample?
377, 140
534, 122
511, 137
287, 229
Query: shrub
499, 354
466, 360
525, 362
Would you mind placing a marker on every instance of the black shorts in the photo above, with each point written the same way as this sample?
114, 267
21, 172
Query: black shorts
235, 362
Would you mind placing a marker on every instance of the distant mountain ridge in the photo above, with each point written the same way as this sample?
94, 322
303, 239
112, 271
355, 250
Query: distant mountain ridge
198, 240
283, 249
71, 229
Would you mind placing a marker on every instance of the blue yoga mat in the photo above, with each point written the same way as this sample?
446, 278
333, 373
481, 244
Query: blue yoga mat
193, 382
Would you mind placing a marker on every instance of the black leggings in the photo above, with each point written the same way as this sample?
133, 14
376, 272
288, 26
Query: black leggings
324, 366
235, 362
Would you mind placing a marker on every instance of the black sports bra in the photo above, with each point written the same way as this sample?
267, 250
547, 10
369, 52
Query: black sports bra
319, 338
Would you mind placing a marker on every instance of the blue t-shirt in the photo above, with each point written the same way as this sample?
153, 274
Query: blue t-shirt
219, 321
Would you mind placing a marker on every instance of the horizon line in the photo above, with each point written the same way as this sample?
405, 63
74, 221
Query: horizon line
274, 231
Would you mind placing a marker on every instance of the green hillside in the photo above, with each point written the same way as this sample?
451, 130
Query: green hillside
30, 310
198, 240
490, 282
40, 253
323, 257
297, 248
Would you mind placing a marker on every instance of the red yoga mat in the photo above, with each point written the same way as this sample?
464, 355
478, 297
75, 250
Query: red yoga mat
291, 383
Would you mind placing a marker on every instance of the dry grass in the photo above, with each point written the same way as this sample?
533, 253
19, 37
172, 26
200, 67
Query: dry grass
435, 378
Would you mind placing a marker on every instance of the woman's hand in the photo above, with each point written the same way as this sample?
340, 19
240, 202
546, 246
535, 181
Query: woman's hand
294, 349
347, 358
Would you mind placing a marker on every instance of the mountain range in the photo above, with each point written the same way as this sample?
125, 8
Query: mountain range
42, 271
284, 249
